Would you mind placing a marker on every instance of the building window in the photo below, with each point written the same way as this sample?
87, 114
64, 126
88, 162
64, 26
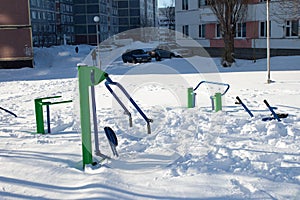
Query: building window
263, 29
33, 2
202, 3
185, 4
240, 31
33, 15
218, 30
185, 30
292, 28
202, 31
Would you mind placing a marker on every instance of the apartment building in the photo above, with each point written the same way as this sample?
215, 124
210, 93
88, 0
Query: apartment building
52, 22
85, 26
56, 22
64, 22
15, 34
250, 33
136, 13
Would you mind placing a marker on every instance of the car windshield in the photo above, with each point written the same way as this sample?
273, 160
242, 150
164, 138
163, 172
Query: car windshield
138, 51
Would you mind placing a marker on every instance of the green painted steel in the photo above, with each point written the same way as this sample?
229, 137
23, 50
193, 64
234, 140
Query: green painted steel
217, 101
84, 79
190, 94
39, 117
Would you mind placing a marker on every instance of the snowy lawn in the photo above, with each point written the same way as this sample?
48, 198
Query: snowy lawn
193, 153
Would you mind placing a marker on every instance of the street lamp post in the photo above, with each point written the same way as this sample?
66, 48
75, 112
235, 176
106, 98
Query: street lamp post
97, 19
268, 41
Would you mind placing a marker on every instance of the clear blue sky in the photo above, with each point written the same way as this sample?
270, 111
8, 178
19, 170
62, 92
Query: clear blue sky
163, 3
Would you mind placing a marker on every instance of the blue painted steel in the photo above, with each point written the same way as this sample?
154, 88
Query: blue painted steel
48, 118
8, 111
244, 106
111, 136
112, 139
272, 111
108, 82
120, 102
215, 83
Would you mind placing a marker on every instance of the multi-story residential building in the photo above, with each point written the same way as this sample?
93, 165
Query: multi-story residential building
15, 34
56, 22
52, 22
136, 13
85, 26
64, 22
250, 34
43, 22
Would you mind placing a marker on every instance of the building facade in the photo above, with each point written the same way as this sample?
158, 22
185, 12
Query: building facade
56, 22
136, 13
85, 26
15, 34
52, 22
64, 22
250, 33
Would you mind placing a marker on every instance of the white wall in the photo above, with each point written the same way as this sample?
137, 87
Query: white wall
278, 43
256, 12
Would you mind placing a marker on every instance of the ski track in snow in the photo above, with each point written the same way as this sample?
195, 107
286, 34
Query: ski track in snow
196, 152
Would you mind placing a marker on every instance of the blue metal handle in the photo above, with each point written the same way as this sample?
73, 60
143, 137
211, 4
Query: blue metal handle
119, 101
272, 111
215, 83
108, 82
245, 107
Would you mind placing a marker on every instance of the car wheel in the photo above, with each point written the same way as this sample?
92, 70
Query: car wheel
172, 55
157, 58
134, 61
124, 60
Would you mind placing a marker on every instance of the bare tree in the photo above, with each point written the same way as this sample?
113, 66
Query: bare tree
168, 11
284, 9
228, 13
287, 10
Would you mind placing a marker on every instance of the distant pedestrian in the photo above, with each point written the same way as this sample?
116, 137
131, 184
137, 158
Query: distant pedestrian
76, 49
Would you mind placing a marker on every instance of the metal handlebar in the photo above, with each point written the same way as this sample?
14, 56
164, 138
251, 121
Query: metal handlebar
108, 82
215, 83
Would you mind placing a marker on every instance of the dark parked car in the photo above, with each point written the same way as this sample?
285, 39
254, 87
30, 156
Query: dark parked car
158, 54
176, 49
136, 56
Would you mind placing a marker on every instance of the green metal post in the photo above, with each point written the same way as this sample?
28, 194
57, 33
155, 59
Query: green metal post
39, 116
39, 113
84, 78
191, 98
218, 101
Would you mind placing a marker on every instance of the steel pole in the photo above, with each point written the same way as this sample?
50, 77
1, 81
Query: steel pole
268, 43
98, 45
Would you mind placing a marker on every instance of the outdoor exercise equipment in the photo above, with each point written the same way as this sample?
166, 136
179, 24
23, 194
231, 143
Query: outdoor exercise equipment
110, 82
244, 106
89, 76
38, 103
112, 139
8, 111
275, 115
216, 99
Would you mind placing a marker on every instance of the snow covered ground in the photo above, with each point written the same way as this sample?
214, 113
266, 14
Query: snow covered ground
192, 153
